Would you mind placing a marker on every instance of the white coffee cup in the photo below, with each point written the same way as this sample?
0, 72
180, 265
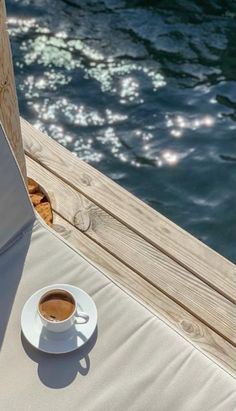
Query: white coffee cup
50, 310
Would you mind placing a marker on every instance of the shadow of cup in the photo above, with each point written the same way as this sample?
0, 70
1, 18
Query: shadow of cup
59, 370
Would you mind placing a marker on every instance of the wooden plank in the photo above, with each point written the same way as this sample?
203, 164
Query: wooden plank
206, 264
9, 112
159, 269
202, 337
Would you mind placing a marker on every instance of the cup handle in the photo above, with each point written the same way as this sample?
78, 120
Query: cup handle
81, 315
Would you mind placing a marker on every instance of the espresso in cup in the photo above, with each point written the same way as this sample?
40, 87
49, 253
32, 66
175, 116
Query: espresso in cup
57, 305
57, 309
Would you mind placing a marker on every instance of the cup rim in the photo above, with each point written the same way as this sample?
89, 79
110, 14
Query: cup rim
54, 290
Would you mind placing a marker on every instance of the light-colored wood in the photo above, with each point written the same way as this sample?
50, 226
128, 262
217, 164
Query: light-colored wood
157, 230
150, 263
202, 337
9, 112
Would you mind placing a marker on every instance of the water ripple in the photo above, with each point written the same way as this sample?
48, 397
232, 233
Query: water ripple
143, 90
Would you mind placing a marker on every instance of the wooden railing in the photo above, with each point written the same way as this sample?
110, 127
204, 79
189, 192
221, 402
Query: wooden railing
9, 112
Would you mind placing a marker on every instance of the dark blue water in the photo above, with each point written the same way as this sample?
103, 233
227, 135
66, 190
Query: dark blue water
145, 91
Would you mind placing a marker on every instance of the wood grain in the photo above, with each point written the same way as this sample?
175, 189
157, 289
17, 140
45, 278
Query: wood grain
9, 112
150, 263
202, 337
157, 230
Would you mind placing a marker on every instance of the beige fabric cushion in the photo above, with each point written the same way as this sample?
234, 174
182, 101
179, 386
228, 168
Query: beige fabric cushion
137, 362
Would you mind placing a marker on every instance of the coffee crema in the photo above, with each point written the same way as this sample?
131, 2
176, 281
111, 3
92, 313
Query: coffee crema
56, 305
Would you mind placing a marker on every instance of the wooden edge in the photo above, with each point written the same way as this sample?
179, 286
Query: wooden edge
202, 337
9, 111
192, 254
147, 261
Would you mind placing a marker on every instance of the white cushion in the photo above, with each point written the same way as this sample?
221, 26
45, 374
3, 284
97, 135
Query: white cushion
137, 362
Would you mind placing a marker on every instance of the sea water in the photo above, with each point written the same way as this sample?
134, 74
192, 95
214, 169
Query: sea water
145, 91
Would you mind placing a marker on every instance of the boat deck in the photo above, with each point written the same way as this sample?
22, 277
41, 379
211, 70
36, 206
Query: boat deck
175, 275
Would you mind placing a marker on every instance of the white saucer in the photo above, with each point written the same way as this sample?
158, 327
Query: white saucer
58, 343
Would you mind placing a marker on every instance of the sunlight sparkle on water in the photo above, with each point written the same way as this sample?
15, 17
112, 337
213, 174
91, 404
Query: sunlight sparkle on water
123, 157
208, 121
135, 163
176, 133
18, 26
61, 34
61, 52
114, 117
111, 139
170, 157
213, 100
129, 89
59, 55
180, 123
147, 136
